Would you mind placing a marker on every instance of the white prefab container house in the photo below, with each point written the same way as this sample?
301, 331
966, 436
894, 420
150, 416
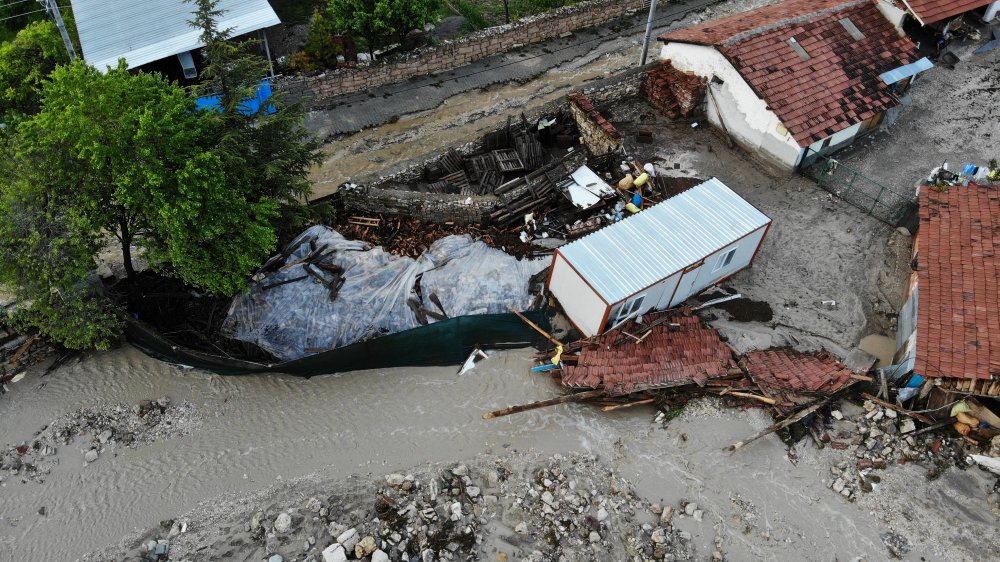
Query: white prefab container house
656, 259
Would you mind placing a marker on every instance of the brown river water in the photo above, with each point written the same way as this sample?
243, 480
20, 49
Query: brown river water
257, 430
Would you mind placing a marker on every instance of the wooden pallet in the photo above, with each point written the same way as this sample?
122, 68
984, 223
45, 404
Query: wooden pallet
459, 181
508, 161
365, 221
530, 151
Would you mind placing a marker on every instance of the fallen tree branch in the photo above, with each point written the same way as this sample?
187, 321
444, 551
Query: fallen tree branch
780, 425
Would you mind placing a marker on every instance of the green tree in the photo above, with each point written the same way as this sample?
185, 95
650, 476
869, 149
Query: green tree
321, 48
24, 63
265, 152
403, 16
375, 20
364, 19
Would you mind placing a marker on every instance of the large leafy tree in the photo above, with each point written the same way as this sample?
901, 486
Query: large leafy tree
24, 63
127, 155
376, 20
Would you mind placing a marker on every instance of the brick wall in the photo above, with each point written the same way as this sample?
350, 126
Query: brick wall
673, 92
598, 134
316, 91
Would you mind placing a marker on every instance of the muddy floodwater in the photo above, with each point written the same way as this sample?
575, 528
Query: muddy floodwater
258, 430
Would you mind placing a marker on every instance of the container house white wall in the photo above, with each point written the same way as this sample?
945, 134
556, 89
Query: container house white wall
584, 307
681, 286
745, 115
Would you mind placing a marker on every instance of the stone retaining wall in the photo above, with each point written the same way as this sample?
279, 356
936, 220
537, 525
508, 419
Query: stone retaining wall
316, 91
597, 133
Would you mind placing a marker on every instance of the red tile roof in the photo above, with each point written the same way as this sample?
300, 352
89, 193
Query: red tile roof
777, 370
693, 353
958, 268
930, 11
836, 87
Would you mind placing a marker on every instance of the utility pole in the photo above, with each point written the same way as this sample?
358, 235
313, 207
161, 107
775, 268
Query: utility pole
649, 32
506, 11
53, 9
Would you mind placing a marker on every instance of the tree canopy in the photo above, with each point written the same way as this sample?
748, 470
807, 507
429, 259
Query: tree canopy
375, 21
24, 63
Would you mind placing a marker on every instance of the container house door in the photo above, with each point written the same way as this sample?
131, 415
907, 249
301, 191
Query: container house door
687, 283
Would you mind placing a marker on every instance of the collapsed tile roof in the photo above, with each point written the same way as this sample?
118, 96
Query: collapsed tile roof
930, 11
837, 86
779, 370
692, 353
958, 271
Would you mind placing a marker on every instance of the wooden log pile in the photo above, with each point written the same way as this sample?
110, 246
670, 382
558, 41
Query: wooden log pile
407, 236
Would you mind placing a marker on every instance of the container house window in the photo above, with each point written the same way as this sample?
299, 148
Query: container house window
629, 309
725, 259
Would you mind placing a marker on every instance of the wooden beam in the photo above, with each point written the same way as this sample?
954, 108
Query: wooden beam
627, 405
535, 326
780, 425
919, 417
763, 399
566, 399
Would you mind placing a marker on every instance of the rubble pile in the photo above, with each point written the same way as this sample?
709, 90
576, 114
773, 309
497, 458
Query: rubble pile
97, 430
560, 508
877, 438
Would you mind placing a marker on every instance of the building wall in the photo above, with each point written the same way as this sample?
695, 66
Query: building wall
707, 275
745, 115
892, 13
597, 133
580, 303
317, 91
657, 298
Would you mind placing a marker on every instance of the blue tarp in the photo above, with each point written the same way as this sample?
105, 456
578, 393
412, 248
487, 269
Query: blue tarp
248, 107
905, 71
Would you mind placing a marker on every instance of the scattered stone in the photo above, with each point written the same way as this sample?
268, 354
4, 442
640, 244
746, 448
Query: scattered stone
283, 524
602, 514
690, 508
334, 553
395, 480
90, 456
897, 544
379, 556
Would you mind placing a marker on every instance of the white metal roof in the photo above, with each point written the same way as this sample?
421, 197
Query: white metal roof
142, 31
621, 259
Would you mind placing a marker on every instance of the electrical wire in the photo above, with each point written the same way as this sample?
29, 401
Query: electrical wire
9, 4
24, 14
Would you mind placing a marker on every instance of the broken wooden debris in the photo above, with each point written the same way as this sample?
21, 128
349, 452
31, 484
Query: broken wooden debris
565, 399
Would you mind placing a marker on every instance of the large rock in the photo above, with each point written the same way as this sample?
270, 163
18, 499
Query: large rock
365, 547
91, 455
379, 556
283, 523
349, 539
334, 553
395, 480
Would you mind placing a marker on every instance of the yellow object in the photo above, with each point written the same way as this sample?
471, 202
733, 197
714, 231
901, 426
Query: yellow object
631, 208
641, 180
960, 407
558, 357
625, 182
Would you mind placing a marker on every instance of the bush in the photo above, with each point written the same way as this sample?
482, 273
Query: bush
321, 48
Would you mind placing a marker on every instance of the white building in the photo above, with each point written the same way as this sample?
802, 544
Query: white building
157, 34
799, 75
656, 259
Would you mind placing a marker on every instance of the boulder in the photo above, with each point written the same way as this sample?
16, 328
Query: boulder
334, 553
91, 455
379, 556
365, 547
349, 538
283, 523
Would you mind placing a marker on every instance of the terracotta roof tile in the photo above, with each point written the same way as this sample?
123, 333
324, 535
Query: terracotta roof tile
958, 334
837, 86
693, 353
779, 370
930, 11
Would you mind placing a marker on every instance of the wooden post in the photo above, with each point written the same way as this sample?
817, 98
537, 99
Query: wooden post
780, 425
568, 398
535, 326
919, 417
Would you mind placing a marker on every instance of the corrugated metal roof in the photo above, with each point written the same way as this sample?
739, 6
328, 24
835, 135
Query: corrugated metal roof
907, 70
632, 254
142, 32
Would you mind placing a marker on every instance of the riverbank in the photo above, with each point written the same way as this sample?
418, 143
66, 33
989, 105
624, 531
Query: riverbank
271, 442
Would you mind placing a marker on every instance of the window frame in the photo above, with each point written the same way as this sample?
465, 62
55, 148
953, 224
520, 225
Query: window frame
725, 259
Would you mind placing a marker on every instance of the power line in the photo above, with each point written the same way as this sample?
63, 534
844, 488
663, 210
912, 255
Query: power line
9, 4
28, 13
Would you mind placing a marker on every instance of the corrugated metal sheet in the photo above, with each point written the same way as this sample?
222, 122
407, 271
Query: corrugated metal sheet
632, 254
142, 32
907, 70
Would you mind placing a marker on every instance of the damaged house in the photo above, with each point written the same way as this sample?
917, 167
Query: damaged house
799, 77
928, 12
949, 327
656, 259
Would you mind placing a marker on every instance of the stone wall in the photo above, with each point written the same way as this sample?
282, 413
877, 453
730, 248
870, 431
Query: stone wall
597, 133
316, 91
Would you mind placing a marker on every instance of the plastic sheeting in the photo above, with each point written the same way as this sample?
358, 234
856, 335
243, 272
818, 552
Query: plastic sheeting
299, 318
